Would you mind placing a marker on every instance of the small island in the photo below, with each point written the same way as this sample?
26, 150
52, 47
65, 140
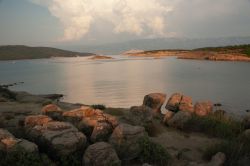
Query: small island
100, 57
19, 52
228, 53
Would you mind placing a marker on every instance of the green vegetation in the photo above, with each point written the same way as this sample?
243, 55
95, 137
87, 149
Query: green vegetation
98, 106
153, 153
22, 158
24, 52
245, 49
215, 125
237, 151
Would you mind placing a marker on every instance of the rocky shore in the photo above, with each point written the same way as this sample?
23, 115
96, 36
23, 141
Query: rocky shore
42, 130
100, 57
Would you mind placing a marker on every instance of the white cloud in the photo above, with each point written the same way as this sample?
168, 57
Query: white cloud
137, 17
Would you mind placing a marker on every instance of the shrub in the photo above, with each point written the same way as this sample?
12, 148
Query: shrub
98, 106
153, 153
215, 125
236, 150
22, 158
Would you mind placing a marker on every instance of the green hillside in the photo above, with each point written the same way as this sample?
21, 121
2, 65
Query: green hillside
19, 52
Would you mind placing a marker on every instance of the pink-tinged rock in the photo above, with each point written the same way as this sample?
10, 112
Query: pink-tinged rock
203, 108
154, 101
186, 104
52, 111
174, 102
34, 120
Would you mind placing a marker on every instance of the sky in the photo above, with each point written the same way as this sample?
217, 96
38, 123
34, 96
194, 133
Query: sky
88, 22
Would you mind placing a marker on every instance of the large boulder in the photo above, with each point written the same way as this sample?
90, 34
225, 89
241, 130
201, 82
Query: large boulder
101, 132
154, 101
8, 143
86, 118
139, 116
125, 139
179, 102
179, 119
203, 108
52, 111
100, 154
59, 139
186, 104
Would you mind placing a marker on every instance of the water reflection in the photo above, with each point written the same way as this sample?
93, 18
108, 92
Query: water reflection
124, 81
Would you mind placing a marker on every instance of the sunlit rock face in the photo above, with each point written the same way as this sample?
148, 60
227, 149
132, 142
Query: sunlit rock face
8, 143
86, 118
203, 108
155, 101
179, 102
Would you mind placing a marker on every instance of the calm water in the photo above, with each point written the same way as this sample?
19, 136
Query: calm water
123, 82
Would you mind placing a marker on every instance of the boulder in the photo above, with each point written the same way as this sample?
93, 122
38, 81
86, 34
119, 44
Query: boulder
33, 120
52, 111
125, 139
168, 116
186, 104
179, 119
217, 160
203, 108
8, 143
86, 118
100, 154
154, 101
58, 139
174, 102
179, 102
139, 116
101, 132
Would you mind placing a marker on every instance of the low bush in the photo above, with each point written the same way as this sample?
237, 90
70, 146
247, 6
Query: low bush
236, 150
98, 106
153, 153
215, 125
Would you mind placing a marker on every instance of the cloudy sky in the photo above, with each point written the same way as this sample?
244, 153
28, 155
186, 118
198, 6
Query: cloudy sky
83, 22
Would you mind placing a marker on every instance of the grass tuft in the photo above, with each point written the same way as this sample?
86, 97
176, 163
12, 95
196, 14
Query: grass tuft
98, 106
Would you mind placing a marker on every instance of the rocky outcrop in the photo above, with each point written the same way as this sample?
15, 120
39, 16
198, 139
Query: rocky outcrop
179, 119
58, 139
8, 143
139, 116
100, 154
52, 111
179, 102
154, 101
24, 97
125, 139
203, 108
86, 118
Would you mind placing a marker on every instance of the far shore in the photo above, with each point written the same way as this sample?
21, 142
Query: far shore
229, 53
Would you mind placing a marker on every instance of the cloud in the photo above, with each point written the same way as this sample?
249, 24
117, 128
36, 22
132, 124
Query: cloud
139, 17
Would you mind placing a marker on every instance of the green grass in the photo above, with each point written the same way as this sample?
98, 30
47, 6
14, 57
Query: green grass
215, 125
236, 150
153, 153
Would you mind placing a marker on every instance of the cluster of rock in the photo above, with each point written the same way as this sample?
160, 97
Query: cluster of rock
97, 136
180, 109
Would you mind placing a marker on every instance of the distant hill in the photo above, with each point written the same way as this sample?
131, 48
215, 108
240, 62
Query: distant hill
18, 52
161, 44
